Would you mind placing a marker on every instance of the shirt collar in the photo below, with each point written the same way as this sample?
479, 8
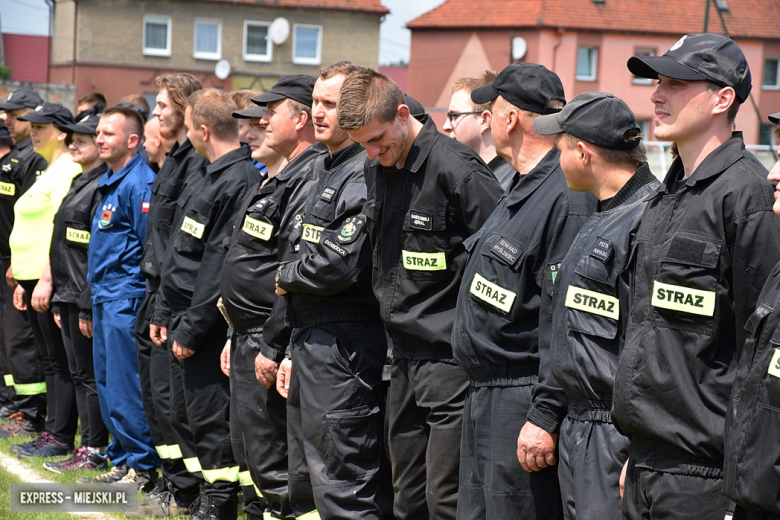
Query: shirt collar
524, 185
305, 156
714, 164
241, 153
24, 143
422, 145
180, 150
112, 177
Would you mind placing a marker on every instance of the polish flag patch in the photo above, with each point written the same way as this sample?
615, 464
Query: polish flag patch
145, 207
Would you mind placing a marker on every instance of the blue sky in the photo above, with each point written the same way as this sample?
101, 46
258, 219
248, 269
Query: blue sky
32, 17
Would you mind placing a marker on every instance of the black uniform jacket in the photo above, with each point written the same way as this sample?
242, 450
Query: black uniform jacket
168, 184
205, 214
591, 303
503, 321
331, 280
70, 241
418, 218
702, 254
19, 169
751, 469
249, 271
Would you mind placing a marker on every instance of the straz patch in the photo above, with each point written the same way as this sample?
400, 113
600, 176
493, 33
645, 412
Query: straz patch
335, 247
7, 188
311, 233
257, 229
106, 215
349, 230
774, 365
327, 194
77, 235
491, 293
553, 269
602, 250
415, 261
592, 302
683, 299
506, 250
193, 227
421, 220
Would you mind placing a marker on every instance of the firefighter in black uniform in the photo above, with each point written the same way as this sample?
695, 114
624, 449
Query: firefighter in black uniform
503, 319
705, 245
261, 237
601, 152
190, 289
178, 488
16, 338
426, 194
339, 345
750, 469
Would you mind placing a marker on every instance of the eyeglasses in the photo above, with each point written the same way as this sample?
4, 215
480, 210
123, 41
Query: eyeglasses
455, 115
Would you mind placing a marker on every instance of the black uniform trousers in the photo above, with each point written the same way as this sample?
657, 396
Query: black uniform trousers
741, 513
493, 484
258, 431
335, 414
7, 393
203, 409
21, 350
155, 376
82, 372
426, 420
591, 455
62, 418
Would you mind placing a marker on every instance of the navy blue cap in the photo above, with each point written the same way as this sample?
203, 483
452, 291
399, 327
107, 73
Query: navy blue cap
290, 86
525, 85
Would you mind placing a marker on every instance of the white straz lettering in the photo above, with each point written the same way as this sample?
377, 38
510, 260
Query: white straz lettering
193, 227
424, 261
257, 229
311, 233
683, 299
491, 293
7, 188
593, 302
77, 235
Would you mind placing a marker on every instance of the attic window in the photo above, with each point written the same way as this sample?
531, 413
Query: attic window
722, 5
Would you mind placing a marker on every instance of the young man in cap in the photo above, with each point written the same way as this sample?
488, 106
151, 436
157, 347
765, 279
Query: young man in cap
503, 317
469, 123
705, 245
117, 285
158, 369
427, 194
601, 152
206, 211
333, 309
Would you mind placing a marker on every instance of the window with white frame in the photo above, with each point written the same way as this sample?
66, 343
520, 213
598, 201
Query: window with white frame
586, 63
257, 44
643, 81
208, 40
307, 44
771, 74
157, 35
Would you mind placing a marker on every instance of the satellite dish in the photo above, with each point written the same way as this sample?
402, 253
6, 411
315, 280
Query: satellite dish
279, 31
222, 69
519, 48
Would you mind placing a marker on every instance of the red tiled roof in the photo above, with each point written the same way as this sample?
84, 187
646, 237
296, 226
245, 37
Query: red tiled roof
364, 6
27, 56
744, 18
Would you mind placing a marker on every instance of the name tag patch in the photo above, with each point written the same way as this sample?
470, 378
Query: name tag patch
77, 235
683, 299
327, 194
260, 205
7, 188
257, 229
420, 220
602, 250
506, 250
424, 261
592, 302
774, 365
311, 233
491, 293
193, 227
335, 247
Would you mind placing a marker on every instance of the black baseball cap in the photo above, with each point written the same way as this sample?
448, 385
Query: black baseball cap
596, 117
25, 97
50, 113
247, 113
699, 57
4, 130
134, 106
297, 87
525, 85
416, 110
86, 125
775, 118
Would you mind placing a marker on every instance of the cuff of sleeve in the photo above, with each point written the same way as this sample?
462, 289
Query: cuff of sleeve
284, 276
542, 419
160, 318
271, 353
84, 315
55, 308
230, 332
186, 340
